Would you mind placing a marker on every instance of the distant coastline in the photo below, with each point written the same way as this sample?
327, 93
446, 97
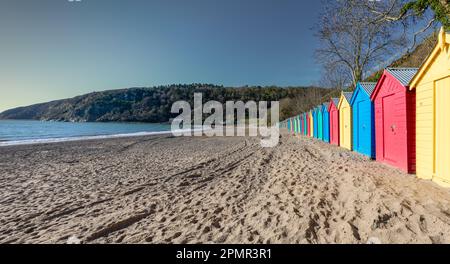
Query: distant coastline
153, 104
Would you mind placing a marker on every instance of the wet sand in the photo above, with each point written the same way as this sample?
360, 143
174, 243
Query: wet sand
161, 189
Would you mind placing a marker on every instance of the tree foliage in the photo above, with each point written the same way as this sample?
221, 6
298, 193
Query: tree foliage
425, 13
154, 104
439, 8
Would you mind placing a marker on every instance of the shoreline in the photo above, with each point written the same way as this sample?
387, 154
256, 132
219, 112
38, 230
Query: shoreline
7, 143
104, 135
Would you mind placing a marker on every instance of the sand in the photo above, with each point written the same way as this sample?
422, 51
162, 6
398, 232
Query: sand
161, 189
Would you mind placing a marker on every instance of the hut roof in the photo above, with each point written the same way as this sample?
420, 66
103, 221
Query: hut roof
404, 75
335, 101
443, 42
368, 87
348, 96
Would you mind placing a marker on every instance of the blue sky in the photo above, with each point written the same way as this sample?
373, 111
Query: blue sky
53, 49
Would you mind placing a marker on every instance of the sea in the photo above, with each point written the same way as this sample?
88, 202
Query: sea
20, 132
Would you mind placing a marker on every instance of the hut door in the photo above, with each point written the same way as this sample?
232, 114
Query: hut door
442, 166
320, 125
364, 128
332, 126
390, 128
358, 123
335, 128
346, 124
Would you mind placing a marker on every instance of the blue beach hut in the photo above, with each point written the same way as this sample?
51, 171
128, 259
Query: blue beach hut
325, 123
363, 119
301, 124
316, 123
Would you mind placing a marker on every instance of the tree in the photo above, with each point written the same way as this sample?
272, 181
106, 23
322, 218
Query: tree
354, 39
385, 10
335, 76
432, 12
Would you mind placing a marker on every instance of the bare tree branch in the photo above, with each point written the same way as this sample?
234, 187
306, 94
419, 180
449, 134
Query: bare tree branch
421, 31
351, 39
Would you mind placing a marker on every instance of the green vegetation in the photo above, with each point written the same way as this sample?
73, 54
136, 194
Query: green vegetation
154, 104
440, 8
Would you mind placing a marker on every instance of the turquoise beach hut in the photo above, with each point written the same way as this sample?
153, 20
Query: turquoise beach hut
363, 116
294, 123
319, 122
325, 123
305, 124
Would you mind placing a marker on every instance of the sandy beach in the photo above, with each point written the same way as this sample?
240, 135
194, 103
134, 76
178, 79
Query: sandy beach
162, 189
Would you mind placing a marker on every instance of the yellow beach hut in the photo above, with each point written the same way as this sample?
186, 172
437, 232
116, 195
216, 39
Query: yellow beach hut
345, 121
432, 85
311, 124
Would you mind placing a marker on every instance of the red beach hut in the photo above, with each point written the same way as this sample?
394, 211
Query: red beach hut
307, 125
334, 121
395, 116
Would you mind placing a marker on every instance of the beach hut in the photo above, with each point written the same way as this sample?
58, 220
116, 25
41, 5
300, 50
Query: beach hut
305, 125
363, 119
299, 125
432, 87
308, 124
289, 124
293, 125
296, 125
394, 107
319, 122
325, 122
311, 123
345, 120
316, 122
334, 121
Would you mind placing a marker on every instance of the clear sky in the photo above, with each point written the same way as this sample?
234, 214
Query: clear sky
54, 49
